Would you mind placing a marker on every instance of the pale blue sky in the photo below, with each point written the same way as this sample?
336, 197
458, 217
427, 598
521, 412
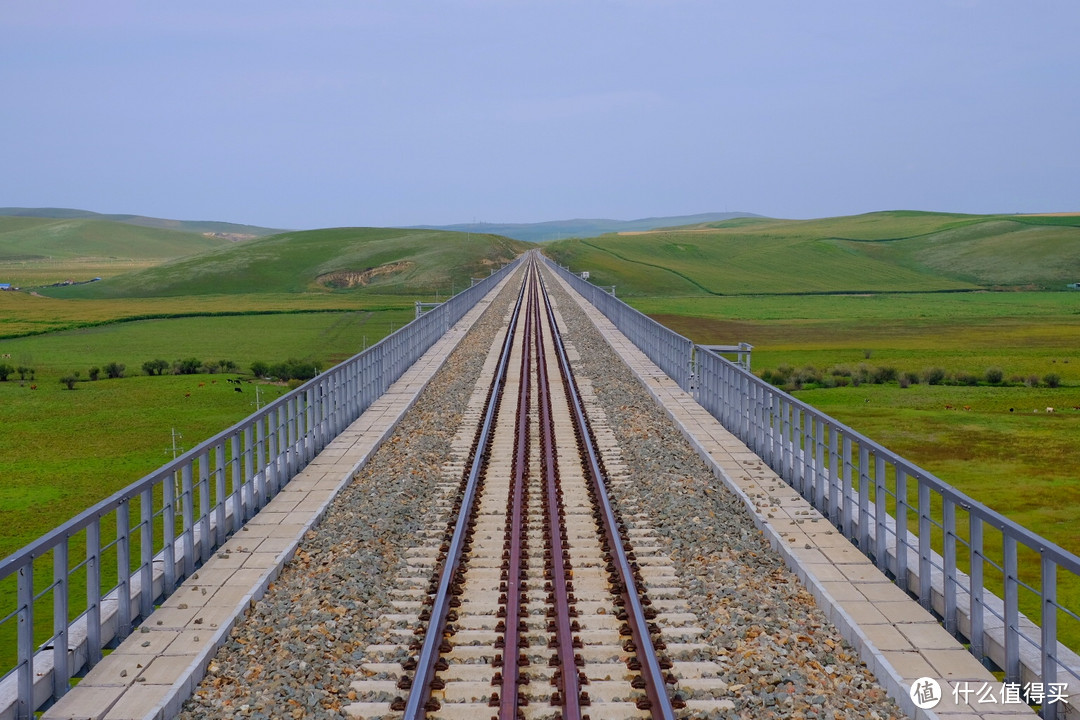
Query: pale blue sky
366, 112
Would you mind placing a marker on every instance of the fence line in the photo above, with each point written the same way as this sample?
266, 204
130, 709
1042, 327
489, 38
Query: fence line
894, 511
162, 527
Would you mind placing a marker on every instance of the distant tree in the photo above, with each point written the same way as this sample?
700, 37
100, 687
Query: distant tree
70, 381
994, 375
260, 369
5, 370
95, 372
188, 366
228, 366
211, 366
155, 367
1052, 380
115, 370
293, 369
22, 370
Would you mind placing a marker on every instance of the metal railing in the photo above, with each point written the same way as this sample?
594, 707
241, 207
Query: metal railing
945, 549
97, 575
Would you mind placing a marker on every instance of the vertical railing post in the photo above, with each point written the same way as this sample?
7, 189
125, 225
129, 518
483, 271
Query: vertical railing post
926, 586
949, 579
187, 502
123, 570
206, 544
239, 486
1012, 610
901, 529
25, 639
881, 513
1049, 630
864, 498
845, 489
61, 670
93, 592
146, 552
975, 594
168, 518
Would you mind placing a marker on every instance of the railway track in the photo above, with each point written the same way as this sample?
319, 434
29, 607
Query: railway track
538, 600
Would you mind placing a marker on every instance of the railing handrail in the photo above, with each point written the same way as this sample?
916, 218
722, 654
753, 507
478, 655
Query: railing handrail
104, 506
1033, 540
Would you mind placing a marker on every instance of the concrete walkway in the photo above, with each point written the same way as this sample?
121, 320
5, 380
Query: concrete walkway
151, 673
896, 638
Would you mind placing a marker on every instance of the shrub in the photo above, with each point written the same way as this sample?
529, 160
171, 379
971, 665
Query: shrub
95, 373
963, 378
5, 370
293, 369
994, 375
904, 381
909, 378
883, 375
155, 367
188, 366
211, 367
1032, 381
933, 376
70, 381
22, 370
115, 370
260, 369
1052, 380
228, 366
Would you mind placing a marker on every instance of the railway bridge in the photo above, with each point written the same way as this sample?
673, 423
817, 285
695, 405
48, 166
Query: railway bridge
535, 502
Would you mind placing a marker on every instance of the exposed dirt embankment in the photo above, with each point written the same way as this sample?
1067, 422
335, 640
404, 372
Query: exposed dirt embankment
352, 278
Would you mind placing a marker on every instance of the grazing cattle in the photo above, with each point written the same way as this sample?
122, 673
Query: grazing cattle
949, 407
967, 407
202, 384
1049, 410
33, 387
239, 389
187, 394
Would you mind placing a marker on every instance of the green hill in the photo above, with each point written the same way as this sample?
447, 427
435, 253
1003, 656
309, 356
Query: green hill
193, 226
389, 261
877, 252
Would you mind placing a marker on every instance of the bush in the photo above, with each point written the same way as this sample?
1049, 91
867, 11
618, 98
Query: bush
188, 366
909, 378
211, 367
994, 375
22, 370
963, 378
883, 375
115, 370
155, 367
5, 370
260, 369
933, 376
1052, 380
293, 369
95, 373
1032, 381
228, 366
70, 381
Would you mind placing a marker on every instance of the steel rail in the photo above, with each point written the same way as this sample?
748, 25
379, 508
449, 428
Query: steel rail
420, 692
660, 704
564, 639
515, 588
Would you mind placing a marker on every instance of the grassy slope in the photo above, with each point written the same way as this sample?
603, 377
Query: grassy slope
294, 262
877, 252
38, 238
